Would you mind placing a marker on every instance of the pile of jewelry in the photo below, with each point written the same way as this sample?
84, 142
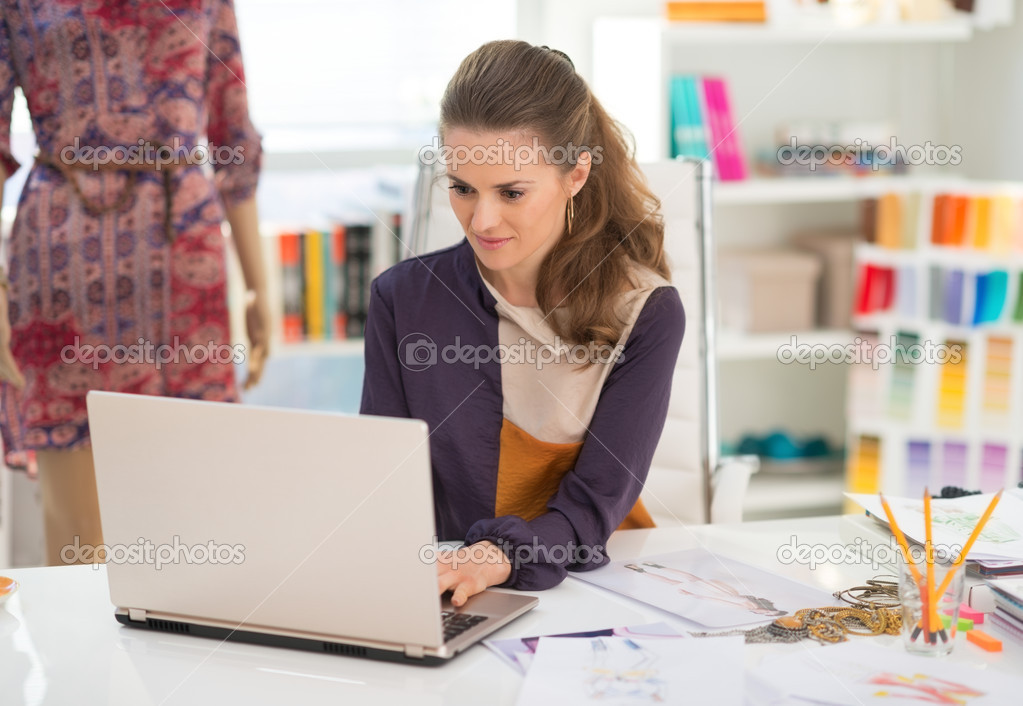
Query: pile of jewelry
874, 610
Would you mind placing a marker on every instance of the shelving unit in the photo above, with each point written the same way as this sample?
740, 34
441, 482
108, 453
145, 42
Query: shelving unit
954, 29
828, 189
930, 423
902, 73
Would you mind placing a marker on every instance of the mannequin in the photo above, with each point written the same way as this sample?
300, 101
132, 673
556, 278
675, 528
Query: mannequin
118, 254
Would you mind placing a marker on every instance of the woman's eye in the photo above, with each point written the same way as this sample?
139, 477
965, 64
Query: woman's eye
460, 189
513, 195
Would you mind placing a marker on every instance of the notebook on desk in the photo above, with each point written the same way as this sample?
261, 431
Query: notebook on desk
280, 527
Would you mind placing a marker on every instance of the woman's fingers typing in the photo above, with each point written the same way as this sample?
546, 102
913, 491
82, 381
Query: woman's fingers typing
470, 570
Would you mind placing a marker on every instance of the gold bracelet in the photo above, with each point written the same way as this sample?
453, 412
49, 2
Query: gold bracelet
5, 283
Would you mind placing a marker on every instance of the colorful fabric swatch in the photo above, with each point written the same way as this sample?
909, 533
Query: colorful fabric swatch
889, 222
1017, 230
900, 400
876, 290
918, 468
992, 288
866, 394
952, 389
953, 464
952, 311
1017, 315
958, 218
1003, 223
905, 292
993, 464
939, 217
935, 307
864, 469
996, 402
981, 223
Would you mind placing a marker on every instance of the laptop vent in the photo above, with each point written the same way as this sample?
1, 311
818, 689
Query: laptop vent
168, 625
349, 650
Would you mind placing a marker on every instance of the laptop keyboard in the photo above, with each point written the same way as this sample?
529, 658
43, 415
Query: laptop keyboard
457, 623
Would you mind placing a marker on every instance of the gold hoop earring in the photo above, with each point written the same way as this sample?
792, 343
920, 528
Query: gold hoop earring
570, 213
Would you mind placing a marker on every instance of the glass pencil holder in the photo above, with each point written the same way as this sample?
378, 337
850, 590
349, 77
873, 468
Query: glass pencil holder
930, 622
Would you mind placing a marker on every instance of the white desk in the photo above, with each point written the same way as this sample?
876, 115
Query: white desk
60, 645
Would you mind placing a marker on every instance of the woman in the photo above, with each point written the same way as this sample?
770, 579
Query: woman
540, 349
117, 242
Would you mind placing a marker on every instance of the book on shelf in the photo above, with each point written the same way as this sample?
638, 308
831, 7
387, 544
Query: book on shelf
716, 11
359, 262
319, 279
702, 124
338, 264
290, 267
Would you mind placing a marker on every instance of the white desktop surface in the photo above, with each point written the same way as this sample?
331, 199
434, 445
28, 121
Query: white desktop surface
60, 644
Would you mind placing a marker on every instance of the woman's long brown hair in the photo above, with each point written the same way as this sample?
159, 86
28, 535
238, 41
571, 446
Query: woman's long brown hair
513, 86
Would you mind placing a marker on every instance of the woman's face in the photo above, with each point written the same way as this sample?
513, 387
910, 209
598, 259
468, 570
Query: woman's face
510, 201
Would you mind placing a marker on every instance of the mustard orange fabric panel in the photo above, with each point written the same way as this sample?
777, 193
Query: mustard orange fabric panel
530, 471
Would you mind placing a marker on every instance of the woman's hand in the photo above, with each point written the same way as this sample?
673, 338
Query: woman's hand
470, 570
244, 220
257, 327
9, 371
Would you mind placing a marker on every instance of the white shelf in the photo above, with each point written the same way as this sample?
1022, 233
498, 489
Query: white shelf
952, 30
973, 433
779, 495
822, 189
350, 346
764, 346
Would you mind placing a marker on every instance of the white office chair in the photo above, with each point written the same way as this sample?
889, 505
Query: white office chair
688, 483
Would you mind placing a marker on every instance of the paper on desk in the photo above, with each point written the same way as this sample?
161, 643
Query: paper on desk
866, 672
707, 589
954, 519
518, 652
620, 671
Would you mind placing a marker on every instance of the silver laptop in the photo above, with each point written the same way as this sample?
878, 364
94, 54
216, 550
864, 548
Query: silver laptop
280, 527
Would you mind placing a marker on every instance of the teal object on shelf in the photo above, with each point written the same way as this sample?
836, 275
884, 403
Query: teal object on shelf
783, 447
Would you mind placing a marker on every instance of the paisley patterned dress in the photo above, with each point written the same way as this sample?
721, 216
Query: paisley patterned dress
96, 257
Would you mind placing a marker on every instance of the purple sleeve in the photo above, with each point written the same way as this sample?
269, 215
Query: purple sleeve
382, 390
595, 497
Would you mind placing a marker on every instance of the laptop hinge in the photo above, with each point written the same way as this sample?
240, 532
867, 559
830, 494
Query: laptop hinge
414, 651
137, 615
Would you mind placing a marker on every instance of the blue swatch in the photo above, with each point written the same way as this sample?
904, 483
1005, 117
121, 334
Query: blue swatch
992, 289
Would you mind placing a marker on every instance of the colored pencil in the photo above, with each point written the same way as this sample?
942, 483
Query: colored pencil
969, 542
929, 558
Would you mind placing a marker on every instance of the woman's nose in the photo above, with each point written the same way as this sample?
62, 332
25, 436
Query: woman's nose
486, 216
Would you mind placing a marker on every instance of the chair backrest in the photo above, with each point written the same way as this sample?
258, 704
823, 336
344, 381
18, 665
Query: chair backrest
678, 486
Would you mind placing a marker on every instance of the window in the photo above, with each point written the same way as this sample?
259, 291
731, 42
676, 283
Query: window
327, 76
